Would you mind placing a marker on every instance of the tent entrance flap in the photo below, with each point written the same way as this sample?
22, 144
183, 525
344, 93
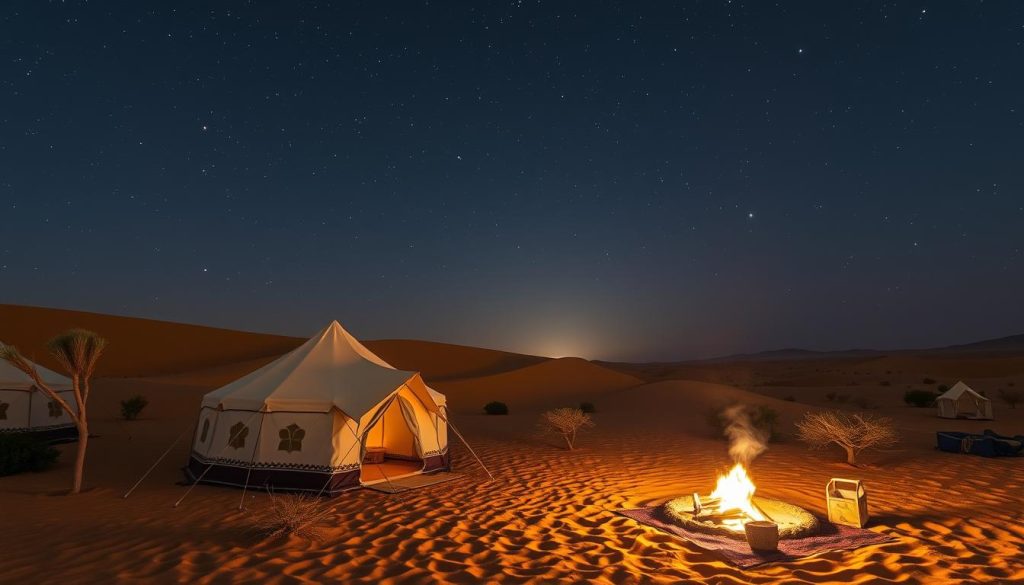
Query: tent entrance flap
392, 439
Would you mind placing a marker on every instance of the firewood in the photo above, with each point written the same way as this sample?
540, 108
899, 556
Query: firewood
720, 517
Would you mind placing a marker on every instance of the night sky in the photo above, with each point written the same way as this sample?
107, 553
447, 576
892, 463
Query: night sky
612, 180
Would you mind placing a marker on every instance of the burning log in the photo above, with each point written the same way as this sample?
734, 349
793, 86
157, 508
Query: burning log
721, 517
732, 507
700, 502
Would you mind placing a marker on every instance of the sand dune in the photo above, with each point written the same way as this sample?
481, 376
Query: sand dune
548, 517
138, 347
896, 370
441, 361
554, 383
195, 354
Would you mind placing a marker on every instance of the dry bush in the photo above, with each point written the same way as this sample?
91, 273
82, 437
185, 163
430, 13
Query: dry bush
854, 433
566, 422
293, 515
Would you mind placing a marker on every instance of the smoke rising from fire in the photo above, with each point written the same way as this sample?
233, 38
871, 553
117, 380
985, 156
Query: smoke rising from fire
746, 441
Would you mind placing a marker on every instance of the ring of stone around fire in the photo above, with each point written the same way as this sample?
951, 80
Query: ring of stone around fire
793, 521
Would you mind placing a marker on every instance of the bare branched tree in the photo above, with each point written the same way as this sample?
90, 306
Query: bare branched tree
293, 515
854, 433
78, 351
566, 422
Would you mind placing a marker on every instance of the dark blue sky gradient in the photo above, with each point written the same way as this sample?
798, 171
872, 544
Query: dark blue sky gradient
613, 180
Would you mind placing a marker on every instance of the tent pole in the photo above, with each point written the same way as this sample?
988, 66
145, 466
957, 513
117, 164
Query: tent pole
464, 442
248, 472
155, 463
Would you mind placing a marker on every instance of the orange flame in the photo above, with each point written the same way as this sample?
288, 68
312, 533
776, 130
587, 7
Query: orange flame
735, 491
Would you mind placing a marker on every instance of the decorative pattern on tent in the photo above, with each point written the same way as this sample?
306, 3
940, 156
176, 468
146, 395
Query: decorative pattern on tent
291, 438
239, 432
279, 465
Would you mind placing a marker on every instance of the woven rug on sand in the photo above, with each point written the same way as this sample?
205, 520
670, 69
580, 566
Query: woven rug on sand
830, 537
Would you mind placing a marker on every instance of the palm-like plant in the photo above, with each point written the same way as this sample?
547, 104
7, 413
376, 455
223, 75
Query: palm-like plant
78, 351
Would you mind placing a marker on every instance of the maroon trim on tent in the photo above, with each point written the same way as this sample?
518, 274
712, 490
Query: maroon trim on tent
285, 480
440, 462
57, 434
34, 389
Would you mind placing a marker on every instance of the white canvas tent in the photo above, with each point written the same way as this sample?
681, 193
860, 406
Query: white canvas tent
24, 409
305, 421
961, 401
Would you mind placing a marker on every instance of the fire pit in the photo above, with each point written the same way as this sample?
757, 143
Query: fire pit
733, 504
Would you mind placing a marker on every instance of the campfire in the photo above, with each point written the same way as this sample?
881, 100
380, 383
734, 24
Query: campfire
732, 505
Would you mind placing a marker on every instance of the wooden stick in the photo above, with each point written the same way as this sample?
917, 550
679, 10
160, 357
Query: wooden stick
723, 516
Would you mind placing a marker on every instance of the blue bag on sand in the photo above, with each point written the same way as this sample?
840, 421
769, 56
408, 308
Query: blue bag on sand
988, 444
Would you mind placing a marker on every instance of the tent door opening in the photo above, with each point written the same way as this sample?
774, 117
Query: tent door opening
392, 449
966, 406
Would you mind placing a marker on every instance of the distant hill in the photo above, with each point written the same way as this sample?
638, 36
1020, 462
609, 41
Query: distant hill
793, 353
1009, 344
147, 347
552, 383
138, 347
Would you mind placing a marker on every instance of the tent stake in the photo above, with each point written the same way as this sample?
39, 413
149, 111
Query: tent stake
248, 472
464, 442
152, 467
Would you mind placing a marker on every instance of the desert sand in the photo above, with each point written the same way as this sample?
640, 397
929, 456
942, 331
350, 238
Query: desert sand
549, 514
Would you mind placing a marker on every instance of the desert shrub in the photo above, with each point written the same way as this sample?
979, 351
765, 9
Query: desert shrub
928, 381
920, 398
565, 422
496, 408
942, 389
22, 452
293, 515
790, 398
588, 407
842, 398
863, 402
885, 383
831, 397
762, 418
853, 433
1011, 397
132, 408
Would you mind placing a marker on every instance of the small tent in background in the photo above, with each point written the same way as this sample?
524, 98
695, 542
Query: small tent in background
24, 409
327, 417
961, 401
